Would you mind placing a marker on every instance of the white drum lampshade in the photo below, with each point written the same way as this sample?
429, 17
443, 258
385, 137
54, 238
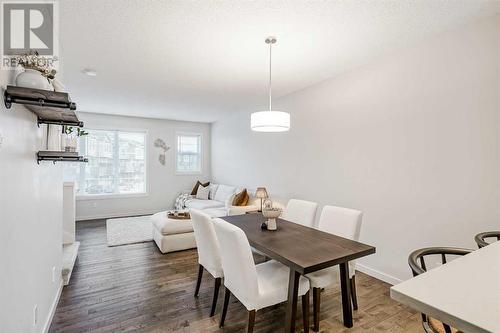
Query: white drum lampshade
270, 121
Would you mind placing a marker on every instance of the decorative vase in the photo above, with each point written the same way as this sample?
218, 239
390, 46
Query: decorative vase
58, 86
271, 214
70, 143
271, 224
54, 137
32, 78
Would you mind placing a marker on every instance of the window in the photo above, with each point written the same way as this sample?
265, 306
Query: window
189, 154
116, 166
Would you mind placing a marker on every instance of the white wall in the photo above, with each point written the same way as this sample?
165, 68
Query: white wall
163, 184
30, 222
411, 139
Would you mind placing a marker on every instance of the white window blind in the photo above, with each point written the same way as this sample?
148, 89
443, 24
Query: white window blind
189, 153
117, 163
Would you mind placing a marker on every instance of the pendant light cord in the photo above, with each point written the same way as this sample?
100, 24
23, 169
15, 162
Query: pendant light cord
270, 77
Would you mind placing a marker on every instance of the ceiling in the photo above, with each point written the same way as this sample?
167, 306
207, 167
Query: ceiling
201, 60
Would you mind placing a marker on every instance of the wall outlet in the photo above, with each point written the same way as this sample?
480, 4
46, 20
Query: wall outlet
35, 315
53, 274
94, 205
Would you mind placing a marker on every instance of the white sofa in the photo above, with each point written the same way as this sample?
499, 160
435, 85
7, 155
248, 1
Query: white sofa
171, 235
220, 200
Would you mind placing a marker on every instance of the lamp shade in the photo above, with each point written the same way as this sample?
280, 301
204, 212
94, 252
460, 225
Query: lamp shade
270, 121
261, 192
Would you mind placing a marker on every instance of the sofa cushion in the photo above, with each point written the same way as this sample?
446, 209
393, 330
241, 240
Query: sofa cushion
167, 226
224, 192
198, 183
203, 204
216, 212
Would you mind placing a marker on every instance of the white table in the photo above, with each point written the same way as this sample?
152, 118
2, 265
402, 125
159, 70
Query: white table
464, 293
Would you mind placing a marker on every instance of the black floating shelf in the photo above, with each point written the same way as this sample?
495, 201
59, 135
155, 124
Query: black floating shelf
60, 156
51, 107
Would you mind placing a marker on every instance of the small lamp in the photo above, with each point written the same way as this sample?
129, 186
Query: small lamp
262, 194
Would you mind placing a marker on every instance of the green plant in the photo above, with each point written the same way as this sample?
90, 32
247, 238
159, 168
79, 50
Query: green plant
79, 131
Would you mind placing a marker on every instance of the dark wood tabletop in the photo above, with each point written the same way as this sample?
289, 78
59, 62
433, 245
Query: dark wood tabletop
302, 248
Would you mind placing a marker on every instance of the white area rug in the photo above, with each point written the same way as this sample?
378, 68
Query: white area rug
129, 230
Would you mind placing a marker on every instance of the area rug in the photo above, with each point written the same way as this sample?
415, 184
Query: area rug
129, 230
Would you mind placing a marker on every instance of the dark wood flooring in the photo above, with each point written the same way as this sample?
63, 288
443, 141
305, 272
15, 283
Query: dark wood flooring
135, 288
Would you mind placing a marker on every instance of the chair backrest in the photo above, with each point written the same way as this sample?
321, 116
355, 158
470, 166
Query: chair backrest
416, 260
240, 274
301, 212
343, 222
481, 238
206, 242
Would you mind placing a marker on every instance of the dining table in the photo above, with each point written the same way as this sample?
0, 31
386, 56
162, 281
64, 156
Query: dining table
304, 250
463, 293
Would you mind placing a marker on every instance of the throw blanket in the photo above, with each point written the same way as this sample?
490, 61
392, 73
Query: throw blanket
180, 202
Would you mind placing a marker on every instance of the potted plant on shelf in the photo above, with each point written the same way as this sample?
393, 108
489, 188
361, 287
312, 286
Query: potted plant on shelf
71, 138
37, 72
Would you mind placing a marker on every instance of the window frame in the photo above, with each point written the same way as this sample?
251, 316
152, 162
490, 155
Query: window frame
188, 173
83, 197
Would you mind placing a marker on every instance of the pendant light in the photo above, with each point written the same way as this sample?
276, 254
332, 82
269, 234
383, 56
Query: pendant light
270, 121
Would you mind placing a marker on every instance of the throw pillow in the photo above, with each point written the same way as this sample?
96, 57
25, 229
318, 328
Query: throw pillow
213, 189
241, 199
202, 193
180, 202
198, 183
224, 192
229, 201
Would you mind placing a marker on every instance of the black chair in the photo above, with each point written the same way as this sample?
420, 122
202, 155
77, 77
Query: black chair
480, 238
416, 260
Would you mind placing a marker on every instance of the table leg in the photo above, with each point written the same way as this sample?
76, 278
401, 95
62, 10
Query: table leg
346, 294
291, 305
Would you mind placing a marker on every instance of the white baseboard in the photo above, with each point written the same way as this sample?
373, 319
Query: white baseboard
53, 308
378, 274
112, 215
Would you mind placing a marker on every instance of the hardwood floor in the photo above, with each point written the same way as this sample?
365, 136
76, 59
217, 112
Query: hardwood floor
135, 288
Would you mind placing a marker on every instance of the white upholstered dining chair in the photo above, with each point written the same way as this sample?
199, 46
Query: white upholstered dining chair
343, 222
255, 286
301, 212
208, 252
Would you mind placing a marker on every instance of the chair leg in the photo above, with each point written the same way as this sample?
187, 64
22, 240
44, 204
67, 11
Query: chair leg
198, 283
227, 294
353, 293
216, 295
251, 321
305, 311
316, 308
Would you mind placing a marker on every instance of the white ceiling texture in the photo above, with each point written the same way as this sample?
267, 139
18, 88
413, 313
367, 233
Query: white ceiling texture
201, 60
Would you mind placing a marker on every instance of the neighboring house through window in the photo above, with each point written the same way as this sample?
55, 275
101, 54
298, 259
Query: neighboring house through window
188, 153
116, 166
